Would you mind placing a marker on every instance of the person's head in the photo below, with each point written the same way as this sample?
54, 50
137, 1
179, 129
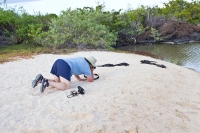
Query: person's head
91, 60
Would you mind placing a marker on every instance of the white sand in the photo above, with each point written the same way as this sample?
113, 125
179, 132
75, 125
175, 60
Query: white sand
139, 98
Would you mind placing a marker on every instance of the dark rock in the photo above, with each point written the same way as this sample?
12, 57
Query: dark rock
3, 39
173, 32
7, 40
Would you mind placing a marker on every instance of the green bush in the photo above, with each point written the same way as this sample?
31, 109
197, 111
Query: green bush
77, 28
21, 27
155, 34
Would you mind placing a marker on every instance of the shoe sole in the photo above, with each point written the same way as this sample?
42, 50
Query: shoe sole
37, 78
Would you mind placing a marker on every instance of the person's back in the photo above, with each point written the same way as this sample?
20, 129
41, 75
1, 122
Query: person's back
78, 66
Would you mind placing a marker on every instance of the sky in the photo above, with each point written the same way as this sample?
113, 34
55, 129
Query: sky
56, 6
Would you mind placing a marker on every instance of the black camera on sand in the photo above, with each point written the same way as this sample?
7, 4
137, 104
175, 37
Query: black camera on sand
75, 93
81, 90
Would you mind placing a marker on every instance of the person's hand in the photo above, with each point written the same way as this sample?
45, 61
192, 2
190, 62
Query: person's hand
92, 68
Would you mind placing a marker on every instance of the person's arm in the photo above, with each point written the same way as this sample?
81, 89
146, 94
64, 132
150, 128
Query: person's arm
91, 78
80, 79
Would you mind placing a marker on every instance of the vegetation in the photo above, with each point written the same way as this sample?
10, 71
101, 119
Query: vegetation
13, 52
155, 34
78, 27
86, 27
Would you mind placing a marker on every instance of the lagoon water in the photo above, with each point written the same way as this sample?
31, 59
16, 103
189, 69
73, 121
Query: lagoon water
187, 55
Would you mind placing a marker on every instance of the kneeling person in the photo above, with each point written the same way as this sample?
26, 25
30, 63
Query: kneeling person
63, 69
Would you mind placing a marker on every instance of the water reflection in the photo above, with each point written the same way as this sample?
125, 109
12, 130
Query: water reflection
186, 55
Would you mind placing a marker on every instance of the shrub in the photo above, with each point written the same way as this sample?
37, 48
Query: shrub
155, 34
77, 28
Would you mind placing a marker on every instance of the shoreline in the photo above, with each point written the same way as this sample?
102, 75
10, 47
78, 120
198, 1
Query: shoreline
188, 50
135, 98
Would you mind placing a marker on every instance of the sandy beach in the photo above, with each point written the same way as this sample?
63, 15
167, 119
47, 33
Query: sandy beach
138, 98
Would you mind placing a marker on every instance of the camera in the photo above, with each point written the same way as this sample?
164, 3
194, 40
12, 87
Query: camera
81, 90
